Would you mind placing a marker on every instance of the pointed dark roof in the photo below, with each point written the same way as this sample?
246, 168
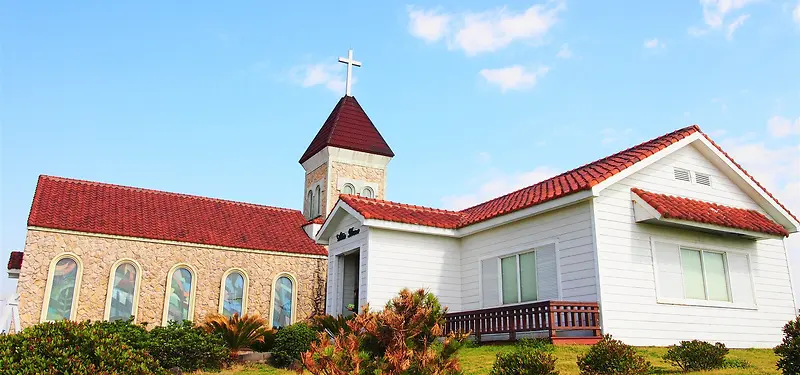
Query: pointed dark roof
348, 126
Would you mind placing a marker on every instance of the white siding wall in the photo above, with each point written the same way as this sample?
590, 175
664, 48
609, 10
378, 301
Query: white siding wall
335, 269
400, 260
570, 226
630, 310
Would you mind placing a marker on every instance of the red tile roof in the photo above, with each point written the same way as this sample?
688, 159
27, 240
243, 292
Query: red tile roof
317, 220
94, 207
348, 126
372, 208
15, 260
673, 207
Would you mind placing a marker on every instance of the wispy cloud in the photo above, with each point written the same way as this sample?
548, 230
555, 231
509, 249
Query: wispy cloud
653, 44
564, 53
330, 76
515, 77
796, 13
779, 126
428, 25
487, 31
737, 23
497, 183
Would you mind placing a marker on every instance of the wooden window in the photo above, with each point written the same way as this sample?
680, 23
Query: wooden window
61, 293
123, 290
233, 293
179, 300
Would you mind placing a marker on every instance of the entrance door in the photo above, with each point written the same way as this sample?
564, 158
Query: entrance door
350, 283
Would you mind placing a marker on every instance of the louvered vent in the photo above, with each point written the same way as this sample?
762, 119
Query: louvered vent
702, 179
682, 175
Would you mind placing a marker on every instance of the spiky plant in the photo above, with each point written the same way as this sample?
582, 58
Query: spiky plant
239, 332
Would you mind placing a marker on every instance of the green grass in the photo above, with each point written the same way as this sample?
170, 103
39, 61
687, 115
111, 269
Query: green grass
479, 360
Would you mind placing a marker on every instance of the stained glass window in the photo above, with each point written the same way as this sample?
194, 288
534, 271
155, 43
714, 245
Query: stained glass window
233, 297
62, 290
180, 295
282, 302
123, 292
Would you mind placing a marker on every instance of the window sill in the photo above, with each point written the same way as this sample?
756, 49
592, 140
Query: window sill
703, 303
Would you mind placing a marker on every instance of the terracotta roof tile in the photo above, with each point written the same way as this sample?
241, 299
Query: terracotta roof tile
15, 260
673, 207
372, 208
349, 127
94, 207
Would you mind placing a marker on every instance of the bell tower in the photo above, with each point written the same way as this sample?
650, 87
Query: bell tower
347, 156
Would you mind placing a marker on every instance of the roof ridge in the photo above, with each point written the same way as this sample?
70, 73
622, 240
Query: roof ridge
406, 205
565, 173
163, 192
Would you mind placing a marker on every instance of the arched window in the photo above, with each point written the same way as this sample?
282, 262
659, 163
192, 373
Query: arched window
319, 201
179, 300
348, 189
123, 290
310, 205
367, 192
283, 300
233, 293
61, 293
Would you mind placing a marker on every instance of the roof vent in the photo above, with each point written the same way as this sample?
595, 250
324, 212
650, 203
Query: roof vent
682, 174
702, 179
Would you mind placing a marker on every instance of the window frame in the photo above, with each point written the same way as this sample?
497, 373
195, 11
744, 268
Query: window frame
49, 287
245, 287
520, 249
703, 268
168, 291
295, 286
318, 193
733, 304
351, 186
371, 191
136, 287
519, 277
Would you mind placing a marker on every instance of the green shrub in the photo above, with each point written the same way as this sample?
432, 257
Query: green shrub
290, 342
524, 362
134, 335
612, 357
736, 363
238, 332
788, 351
535, 344
696, 355
67, 347
188, 347
267, 344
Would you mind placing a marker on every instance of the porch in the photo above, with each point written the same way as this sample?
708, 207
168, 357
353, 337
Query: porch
562, 322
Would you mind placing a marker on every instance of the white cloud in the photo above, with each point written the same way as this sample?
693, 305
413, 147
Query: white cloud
714, 11
781, 126
514, 77
329, 75
796, 13
496, 185
653, 43
738, 22
485, 31
564, 53
428, 25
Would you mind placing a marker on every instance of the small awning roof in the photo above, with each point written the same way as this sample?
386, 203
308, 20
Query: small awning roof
707, 216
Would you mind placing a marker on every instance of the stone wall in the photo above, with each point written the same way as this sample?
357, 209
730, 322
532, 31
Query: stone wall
311, 178
356, 172
98, 254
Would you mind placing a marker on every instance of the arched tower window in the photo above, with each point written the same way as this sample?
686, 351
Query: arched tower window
233, 293
368, 192
123, 290
348, 189
61, 293
310, 204
318, 201
179, 300
284, 297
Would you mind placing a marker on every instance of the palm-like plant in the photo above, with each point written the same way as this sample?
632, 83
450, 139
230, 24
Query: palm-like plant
238, 332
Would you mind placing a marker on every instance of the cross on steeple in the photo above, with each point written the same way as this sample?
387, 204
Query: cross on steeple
350, 62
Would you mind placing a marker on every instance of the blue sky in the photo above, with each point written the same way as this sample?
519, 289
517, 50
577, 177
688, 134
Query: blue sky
476, 98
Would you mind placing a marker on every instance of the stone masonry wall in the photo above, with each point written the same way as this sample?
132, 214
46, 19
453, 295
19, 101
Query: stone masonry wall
99, 254
317, 174
356, 172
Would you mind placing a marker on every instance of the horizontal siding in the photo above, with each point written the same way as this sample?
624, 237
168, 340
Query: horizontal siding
334, 283
627, 283
570, 226
400, 260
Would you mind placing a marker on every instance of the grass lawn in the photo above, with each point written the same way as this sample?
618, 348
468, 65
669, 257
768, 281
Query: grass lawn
479, 360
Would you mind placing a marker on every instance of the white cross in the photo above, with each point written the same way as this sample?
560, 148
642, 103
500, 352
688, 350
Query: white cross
350, 62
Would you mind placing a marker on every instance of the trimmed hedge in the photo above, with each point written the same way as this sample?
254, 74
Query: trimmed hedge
612, 357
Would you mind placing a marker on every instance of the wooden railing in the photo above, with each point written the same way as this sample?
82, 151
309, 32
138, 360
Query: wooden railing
550, 316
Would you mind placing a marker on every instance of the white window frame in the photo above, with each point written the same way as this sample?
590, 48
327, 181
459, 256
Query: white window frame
168, 291
519, 277
521, 249
49, 288
371, 192
733, 304
295, 286
136, 287
705, 275
245, 285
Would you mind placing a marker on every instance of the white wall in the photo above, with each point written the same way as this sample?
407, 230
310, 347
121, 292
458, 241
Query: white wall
569, 226
629, 307
333, 296
400, 260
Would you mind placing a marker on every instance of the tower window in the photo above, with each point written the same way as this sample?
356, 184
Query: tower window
348, 189
310, 204
368, 192
318, 202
